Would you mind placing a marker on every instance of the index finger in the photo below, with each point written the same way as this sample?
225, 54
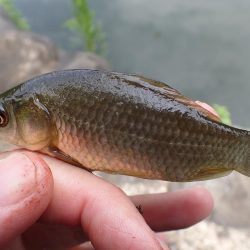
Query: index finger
105, 213
175, 210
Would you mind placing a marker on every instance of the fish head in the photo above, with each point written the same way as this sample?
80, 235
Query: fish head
24, 123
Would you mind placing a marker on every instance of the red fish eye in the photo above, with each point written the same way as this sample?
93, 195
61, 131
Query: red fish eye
3, 119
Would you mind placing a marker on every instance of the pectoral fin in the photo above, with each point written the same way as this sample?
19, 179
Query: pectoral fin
57, 153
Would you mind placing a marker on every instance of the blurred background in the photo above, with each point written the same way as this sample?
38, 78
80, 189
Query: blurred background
201, 48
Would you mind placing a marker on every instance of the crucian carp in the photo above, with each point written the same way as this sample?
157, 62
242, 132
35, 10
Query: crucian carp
120, 123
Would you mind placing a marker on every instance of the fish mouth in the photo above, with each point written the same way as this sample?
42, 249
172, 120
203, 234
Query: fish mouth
6, 147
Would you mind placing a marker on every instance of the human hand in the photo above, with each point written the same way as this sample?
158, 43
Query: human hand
61, 206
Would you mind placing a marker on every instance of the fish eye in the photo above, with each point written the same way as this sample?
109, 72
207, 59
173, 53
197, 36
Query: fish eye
3, 117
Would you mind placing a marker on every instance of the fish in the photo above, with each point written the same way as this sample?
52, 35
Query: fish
122, 124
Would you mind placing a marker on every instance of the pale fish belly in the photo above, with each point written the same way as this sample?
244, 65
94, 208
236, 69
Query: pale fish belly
88, 145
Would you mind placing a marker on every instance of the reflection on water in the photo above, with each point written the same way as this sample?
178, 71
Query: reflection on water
200, 47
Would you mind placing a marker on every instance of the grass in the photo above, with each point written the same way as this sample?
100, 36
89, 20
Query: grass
224, 114
85, 25
14, 14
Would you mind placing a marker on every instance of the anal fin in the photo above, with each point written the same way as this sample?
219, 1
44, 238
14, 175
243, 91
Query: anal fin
211, 173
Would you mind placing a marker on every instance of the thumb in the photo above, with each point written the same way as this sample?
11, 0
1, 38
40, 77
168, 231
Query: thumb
25, 190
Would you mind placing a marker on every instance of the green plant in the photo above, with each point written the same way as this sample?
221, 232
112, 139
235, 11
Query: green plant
14, 14
85, 25
223, 113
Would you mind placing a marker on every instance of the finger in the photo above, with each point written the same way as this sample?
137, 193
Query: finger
166, 211
26, 188
207, 107
106, 214
175, 210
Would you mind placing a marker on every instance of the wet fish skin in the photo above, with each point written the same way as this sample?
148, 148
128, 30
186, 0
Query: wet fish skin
122, 124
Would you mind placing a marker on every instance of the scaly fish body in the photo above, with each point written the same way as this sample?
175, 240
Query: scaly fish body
122, 124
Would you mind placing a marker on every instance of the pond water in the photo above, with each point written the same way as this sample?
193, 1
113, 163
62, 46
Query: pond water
200, 47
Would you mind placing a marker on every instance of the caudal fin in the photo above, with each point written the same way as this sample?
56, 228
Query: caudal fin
245, 170
244, 166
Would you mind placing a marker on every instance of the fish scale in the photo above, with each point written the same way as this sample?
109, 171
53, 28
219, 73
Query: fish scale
121, 123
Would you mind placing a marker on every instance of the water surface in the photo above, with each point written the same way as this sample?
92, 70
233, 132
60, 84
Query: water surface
200, 47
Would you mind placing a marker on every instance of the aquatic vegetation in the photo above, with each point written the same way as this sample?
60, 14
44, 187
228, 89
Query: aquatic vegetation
224, 113
14, 14
85, 25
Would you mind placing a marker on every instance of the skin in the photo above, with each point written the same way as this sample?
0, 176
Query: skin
47, 204
40, 196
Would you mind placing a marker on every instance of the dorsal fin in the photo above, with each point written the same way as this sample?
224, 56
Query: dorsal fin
170, 92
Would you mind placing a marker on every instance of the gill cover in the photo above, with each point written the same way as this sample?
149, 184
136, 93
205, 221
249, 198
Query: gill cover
33, 123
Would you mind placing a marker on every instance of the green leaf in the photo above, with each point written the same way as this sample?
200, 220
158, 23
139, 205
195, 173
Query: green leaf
71, 24
85, 25
223, 113
14, 14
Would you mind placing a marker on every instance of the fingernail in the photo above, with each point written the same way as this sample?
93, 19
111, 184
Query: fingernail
18, 177
208, 107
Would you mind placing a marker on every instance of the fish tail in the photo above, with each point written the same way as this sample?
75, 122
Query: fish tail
245, 167
245, 170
